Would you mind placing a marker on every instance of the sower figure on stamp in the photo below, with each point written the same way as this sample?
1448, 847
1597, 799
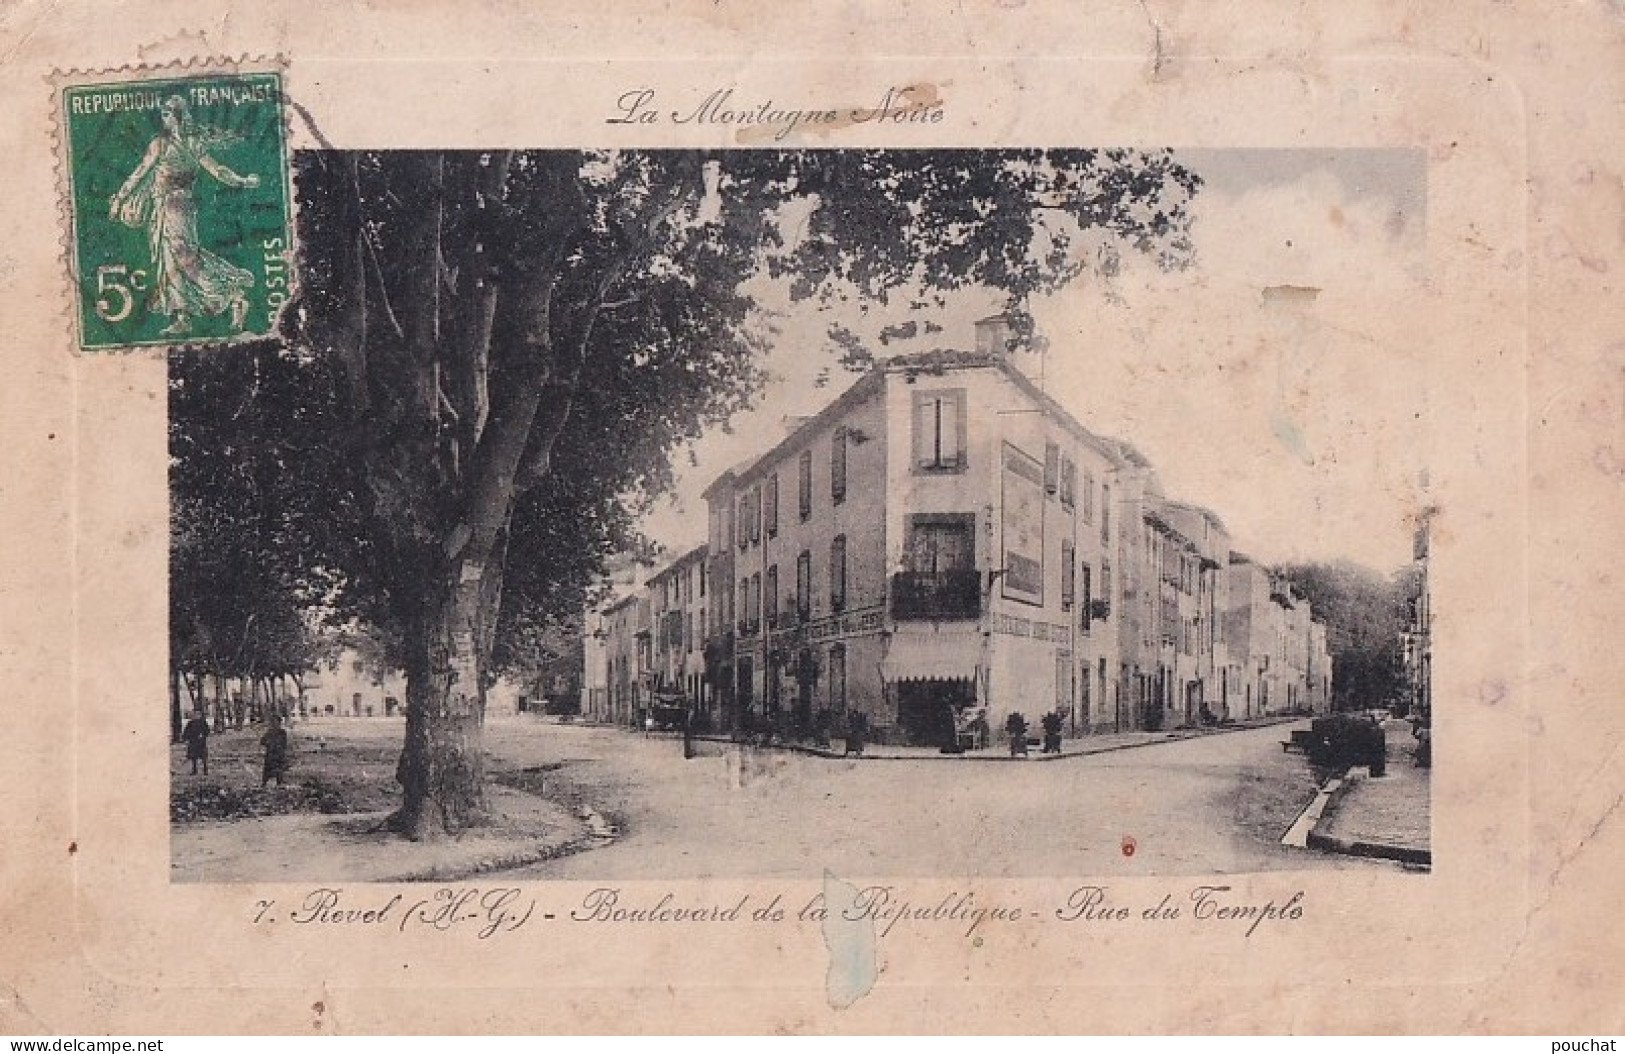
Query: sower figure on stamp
196, 735
160, 196
275, 742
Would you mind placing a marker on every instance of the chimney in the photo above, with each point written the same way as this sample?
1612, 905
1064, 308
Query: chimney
993, 335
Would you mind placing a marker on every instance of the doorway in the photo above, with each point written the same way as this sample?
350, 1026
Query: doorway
925, 709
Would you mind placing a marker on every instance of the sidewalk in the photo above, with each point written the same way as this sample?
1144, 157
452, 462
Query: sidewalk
1387, 816
1072, 747
313, 847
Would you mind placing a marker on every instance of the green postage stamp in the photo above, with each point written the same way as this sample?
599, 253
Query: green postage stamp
181, 220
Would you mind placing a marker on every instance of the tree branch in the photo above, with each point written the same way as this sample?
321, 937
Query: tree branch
539, 451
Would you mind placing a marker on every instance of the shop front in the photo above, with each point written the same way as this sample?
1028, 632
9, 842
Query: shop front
932, 679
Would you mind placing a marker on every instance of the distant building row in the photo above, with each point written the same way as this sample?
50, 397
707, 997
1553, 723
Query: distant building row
942, 537
1416, 640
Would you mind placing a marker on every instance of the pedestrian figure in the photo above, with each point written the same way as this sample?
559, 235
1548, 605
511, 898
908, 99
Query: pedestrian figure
857, 728
275, 742
1052, 732
196, 734
688, 733
1016, 726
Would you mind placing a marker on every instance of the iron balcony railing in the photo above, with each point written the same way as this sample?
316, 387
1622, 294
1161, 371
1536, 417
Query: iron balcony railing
936, 595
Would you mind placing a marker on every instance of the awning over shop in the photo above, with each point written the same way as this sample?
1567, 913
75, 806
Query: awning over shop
932, 657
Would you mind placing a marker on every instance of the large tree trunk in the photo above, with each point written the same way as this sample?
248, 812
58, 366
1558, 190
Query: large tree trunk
449, 305
175, 721
442, 763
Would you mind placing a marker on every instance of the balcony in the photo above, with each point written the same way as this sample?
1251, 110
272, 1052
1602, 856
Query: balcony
937, 596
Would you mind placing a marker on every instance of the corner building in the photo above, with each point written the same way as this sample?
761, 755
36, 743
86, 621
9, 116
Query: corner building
945, 541
943, 536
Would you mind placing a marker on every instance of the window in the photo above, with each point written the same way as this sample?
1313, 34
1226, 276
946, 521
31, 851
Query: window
1068, 576
771, 512
688, 631
1105, 513
806, 485
939, 431
804, 585
1088, 497
703, 576
837, 678
743, 520
756, 514
742, 610
1052, 468
771, 601
1069, 482
939, 543
1085, 594
837, 573
755, 601
837, 466
1106, 587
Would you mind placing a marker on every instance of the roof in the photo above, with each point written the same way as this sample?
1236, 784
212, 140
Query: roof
1207, 514
935, 362
865, 386
611, 608
686, 558
941, 360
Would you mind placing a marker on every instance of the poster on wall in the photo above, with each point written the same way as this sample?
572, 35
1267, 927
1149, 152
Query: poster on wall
1022, 501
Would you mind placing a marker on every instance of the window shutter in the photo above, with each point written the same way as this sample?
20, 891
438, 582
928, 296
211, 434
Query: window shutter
837, 466
925, 415
837, 573
1086, 595
951, 421
805, 488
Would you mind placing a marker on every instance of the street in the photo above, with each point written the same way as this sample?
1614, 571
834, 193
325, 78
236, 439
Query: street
1213, 804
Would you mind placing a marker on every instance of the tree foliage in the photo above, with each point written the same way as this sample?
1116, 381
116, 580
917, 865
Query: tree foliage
253, 559
1364, 615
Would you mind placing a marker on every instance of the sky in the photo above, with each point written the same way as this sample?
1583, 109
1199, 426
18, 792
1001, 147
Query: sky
1272, 382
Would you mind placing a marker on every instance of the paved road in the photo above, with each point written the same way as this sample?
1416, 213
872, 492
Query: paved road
1216, 804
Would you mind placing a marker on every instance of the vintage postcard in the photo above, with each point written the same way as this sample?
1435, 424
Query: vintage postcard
716, 533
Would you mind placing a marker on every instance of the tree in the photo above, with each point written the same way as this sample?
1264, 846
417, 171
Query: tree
477, 304
251, 556
1364, 615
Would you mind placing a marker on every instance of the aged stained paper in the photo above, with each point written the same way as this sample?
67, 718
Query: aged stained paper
1508, 318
